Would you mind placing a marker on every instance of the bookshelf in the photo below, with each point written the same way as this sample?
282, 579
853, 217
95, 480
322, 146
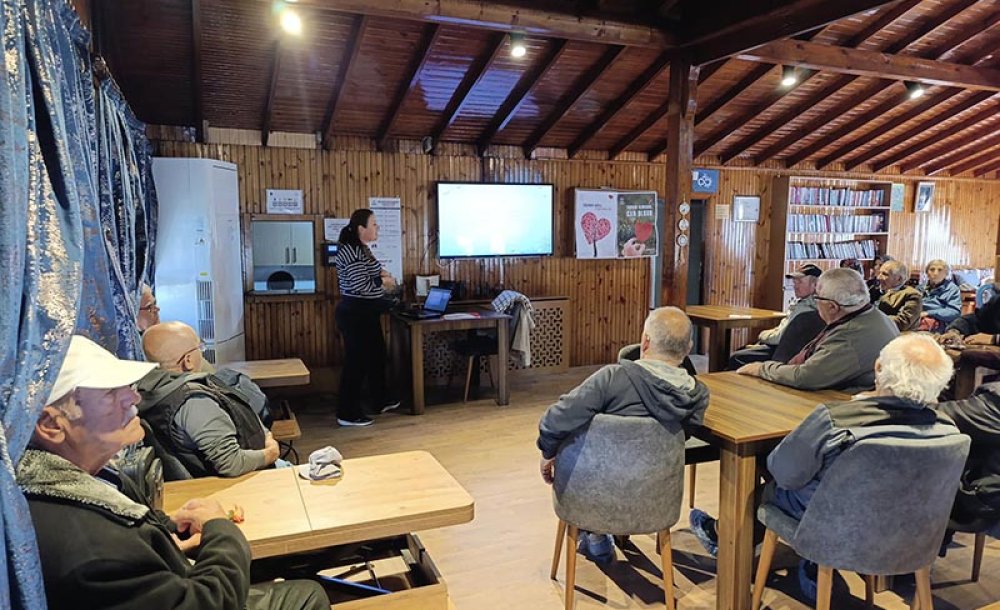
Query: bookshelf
821, 221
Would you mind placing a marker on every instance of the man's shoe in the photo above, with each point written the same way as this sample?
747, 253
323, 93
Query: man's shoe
361, 421
807, 580
703, 528
392, 406
599, 548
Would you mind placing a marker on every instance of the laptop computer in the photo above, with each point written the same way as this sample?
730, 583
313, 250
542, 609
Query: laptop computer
434, 306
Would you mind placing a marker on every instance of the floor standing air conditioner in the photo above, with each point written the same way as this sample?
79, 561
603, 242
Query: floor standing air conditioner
199, 274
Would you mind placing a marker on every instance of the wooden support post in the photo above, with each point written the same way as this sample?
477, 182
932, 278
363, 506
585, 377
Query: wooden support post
682, 101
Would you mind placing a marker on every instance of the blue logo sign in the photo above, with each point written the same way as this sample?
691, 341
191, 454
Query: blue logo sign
705, 181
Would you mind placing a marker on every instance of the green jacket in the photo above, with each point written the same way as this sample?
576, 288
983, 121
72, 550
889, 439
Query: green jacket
903, 306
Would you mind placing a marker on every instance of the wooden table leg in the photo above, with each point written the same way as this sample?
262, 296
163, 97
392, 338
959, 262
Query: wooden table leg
417, 368
503, 356
965, 379
737, 481
717, 354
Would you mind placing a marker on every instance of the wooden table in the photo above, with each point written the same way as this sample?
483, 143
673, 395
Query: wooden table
408, 343
721, 320
746, 418
377, 497
272, 373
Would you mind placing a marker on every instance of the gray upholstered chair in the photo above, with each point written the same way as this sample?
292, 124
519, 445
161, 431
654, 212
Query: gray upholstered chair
881, 508
619, 476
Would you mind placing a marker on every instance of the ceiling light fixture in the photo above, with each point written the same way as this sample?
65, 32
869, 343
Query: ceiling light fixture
788, 76
915, 90
517, 48
290, 22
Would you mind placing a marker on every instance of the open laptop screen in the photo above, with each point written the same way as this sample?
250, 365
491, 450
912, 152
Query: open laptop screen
437, 299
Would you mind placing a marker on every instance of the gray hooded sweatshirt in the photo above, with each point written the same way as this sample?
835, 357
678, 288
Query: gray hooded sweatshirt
630, 389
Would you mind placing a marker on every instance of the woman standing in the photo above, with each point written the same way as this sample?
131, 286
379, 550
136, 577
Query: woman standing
362, 284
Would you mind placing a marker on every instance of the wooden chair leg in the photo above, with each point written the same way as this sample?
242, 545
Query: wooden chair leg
977, 555
667, 564
824, 586
923, 578
692, 475
763, 567
468, 379
869, 590
560, 534
571, 533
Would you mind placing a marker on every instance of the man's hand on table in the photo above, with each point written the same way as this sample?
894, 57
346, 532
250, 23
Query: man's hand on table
752, 369
188, 545
271, 449
979, 339
952, 337
193, 516
547, 466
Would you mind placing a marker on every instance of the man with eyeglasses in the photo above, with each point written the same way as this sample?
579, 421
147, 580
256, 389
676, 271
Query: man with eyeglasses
149, 311
210, 426
842, 356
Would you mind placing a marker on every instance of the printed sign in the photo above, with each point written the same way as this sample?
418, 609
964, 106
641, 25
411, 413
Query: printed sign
388, 249
615, 224
637, 224
284, 201
705, 181
332, 227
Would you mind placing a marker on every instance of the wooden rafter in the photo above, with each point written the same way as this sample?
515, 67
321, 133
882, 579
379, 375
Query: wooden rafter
992, 167
847, 104
969, 139
505, 18
755, 74
937, 163
735, 27
427, 39
872, 63
580, 88
343, 75
272, 90
198, 99
528, 81
969, 161
915, 134
834, 84
472, 77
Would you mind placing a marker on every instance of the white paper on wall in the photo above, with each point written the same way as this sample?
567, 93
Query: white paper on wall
388, 249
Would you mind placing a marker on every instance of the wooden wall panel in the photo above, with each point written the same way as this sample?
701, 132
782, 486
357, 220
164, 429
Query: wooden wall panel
608, 298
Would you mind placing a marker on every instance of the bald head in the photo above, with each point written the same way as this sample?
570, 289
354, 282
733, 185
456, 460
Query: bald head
666, 335
174, 345
913, 366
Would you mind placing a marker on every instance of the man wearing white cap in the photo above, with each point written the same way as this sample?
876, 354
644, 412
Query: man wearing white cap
99, 549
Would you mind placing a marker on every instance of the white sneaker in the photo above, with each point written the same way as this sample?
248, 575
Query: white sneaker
361, 421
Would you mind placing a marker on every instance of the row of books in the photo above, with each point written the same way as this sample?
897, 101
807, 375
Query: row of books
820, 223
818, 195
864, 248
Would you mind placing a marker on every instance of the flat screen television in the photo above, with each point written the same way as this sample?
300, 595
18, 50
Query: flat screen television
477, 219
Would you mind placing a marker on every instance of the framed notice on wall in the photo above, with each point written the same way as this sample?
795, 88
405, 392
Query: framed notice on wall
615, 224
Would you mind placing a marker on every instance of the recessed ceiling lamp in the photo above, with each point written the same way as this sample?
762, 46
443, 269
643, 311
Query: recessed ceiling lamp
290, 22
517, 48
788, 76
915, 90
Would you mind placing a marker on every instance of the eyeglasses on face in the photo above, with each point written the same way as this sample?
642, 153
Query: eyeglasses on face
834, 301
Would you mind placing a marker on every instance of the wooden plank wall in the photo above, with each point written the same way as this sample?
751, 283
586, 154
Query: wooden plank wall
609, 298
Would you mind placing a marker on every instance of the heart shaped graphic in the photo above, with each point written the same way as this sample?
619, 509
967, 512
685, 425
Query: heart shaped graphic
643, 230
594, 229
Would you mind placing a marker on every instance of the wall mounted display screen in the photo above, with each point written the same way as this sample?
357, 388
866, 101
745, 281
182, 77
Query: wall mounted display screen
476, 219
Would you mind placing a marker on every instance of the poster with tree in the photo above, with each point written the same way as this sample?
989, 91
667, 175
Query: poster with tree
615, 224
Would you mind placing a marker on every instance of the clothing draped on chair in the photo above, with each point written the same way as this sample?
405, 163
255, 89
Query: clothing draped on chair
53, 247
514, 303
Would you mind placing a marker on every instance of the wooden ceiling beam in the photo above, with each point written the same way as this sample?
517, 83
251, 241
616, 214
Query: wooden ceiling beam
872, 63
472, 77
505, 18
915, 134
272, 90
528, 81
583, 84
880, 20
968, 139
756, 73
343, 76
198, 99
945, 159
427, 39
733, 28
969, 161
992, 167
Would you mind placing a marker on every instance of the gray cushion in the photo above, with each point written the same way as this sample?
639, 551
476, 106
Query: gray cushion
881, 508
621, 475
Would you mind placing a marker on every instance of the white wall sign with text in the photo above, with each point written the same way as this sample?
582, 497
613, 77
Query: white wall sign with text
284, 201
388, 249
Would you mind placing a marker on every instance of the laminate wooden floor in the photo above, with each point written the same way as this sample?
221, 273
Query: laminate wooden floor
501, 560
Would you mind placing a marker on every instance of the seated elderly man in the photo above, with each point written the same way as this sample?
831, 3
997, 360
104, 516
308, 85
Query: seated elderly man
98, 548
981, 327
654, 386
149, 311
909, 374
942, 302
210, 426
843, 355
804, 284
900, 302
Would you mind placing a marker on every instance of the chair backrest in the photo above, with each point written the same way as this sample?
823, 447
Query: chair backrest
802, 329
172, 468
632, 352
621, 475
883, 505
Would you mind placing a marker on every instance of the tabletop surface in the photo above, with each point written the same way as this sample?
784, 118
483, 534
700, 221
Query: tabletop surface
744, 409
283, 371
486, 315
727, 312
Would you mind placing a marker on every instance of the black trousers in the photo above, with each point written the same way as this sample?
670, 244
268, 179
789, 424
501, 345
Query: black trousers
364, 356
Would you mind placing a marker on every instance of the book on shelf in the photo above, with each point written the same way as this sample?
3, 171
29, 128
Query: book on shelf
861, 249
846, 197
826, 223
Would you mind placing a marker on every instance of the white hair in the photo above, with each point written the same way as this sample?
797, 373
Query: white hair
669, 332
896, 269
913, 366
844, 286
938, 261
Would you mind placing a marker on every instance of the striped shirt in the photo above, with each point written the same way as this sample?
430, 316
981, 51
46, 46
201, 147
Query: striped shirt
358, 273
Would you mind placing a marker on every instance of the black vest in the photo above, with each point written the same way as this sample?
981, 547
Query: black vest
161, 402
